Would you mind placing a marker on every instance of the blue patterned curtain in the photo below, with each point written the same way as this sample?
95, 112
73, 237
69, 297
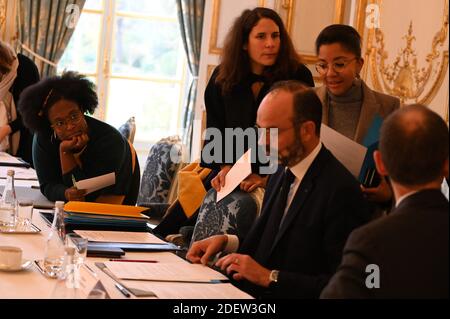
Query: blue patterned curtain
45, 28
190, 17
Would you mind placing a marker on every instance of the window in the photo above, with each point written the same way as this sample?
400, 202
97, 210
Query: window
133, 51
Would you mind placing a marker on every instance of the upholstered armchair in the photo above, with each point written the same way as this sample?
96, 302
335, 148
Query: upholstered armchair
128, 129
157, 188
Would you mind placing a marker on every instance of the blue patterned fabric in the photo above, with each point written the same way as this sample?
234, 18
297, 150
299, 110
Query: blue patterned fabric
235, 214
128, 129
159, 171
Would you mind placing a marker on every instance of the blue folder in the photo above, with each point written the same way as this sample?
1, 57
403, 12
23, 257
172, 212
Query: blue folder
368, 175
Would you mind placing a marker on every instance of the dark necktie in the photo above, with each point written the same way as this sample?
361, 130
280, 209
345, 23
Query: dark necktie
276, 214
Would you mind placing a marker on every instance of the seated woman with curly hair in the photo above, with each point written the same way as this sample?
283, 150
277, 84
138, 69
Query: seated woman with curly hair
70, 145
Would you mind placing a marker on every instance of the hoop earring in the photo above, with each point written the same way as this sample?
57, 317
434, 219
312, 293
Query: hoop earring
53, 137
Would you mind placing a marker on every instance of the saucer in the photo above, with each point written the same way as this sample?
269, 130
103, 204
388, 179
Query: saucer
25, 265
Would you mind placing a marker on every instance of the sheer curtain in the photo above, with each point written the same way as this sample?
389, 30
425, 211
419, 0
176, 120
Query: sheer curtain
190, 17
45, 28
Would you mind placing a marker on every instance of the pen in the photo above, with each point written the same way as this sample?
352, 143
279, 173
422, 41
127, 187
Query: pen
74, 181
135, 260
122, 290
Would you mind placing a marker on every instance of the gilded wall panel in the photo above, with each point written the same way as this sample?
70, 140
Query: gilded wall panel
305, 19
407, 53
223, 15
3, 11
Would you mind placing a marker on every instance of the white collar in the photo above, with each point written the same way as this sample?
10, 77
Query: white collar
300, 169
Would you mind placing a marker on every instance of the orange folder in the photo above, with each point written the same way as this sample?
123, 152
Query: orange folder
105, 209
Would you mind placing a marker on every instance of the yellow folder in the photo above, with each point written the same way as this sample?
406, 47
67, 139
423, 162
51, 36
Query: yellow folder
105, 209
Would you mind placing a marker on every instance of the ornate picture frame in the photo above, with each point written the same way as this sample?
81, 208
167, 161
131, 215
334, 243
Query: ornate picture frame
214, 35
288, 6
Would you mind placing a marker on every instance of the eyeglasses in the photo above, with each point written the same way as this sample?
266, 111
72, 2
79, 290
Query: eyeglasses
338, 66
73, 119
268, 129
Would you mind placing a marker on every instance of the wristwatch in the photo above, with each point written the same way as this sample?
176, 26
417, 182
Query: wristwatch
273, 277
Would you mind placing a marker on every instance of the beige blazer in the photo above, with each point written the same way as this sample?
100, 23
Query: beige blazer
373, 103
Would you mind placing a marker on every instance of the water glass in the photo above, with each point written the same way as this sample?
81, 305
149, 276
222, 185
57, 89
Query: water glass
80, 244
25, 213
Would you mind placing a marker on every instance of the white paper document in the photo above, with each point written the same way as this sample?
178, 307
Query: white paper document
240, 171
347, 151
170, 290
20, 173
7, 158
120, 237
179, 272
94, 184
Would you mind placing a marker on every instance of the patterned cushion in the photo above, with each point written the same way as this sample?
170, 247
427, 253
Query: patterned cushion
128, 129
159, 171
234, 215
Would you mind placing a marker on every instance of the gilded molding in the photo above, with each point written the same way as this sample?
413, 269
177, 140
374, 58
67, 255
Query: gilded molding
289, 6
2, 18
406, 77
213, 37
213, 49
209, 71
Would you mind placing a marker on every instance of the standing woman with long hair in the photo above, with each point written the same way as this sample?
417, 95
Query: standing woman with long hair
257, 53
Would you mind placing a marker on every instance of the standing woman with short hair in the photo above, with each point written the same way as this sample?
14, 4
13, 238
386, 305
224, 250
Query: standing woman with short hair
257, 53
349, 105
70, 146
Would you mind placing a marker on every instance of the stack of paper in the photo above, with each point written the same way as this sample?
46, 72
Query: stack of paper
171, 272
101, 222
120, 237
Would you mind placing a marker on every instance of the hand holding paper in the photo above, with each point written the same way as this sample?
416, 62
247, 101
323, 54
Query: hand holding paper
93, 184
240, 170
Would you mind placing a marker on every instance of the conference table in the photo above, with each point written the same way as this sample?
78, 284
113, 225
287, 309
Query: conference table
32, 284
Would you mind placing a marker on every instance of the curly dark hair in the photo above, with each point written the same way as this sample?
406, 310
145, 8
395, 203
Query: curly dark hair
235, 62
36, 100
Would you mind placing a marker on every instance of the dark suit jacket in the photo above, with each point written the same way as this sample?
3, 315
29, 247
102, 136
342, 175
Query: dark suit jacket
328, 205
410, 247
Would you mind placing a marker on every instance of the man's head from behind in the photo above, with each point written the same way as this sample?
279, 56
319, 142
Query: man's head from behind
414, 147
296, 111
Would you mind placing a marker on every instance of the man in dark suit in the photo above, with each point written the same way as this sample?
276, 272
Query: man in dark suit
403, 255
311, 205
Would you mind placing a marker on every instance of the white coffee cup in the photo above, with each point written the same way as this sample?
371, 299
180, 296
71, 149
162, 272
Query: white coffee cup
10, 257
